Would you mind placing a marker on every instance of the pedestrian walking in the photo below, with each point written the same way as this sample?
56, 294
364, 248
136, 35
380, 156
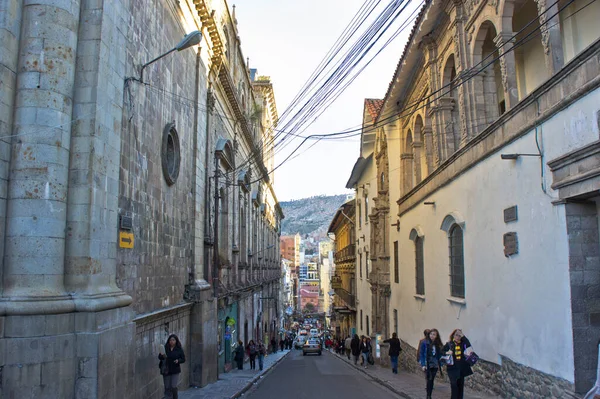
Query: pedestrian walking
425, 336
394, 351
281, 344
365, 349
273, 345
456, 347
170, 365
355, 347
431, 352
347, 346
261, 352
252, 352
239, 355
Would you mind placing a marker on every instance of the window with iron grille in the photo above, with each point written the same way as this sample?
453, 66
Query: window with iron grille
395, 321
360, 265
359, 216
457, 266
396, 276
361, 320
366, 209
368, 329
367, 261
419, 266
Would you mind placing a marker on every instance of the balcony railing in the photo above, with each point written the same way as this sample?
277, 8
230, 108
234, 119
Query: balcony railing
346, 254
346, 297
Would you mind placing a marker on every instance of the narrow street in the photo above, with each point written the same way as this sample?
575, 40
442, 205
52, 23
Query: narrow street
316, 377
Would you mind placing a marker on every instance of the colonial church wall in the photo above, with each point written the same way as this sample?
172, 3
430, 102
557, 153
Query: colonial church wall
516, 306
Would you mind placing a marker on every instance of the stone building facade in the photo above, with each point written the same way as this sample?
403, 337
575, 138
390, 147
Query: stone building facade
137, 202
491, 128
343, 281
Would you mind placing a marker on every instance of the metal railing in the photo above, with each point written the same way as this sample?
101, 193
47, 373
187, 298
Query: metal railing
347, 253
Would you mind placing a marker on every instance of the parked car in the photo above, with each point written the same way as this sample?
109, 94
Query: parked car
311, 346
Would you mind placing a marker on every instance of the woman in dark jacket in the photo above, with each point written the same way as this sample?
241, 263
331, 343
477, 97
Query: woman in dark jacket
460, 369
239, 355
430, 353
252, 352
173, 357
355, 347
365, 348
394, 351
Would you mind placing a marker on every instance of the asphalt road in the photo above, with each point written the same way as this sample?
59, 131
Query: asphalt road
316, 377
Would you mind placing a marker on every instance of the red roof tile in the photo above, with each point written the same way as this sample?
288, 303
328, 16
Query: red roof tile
373, 105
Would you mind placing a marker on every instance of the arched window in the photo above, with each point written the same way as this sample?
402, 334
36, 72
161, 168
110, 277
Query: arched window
451, 127
578, 25
530, 58
419, 151
490, 103
419, 266
457, 263
409, 170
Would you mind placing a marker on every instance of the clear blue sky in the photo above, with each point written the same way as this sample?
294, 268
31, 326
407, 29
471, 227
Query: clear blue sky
286, 40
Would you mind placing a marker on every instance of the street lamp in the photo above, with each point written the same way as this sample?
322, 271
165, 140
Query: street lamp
189, 40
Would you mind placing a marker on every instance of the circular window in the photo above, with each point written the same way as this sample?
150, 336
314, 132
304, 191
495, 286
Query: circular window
171, 156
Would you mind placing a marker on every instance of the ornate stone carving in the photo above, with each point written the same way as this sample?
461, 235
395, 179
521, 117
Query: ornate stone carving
541, 6
470, 33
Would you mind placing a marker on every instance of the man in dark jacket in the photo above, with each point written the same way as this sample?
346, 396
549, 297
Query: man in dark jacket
394, 352
355, 347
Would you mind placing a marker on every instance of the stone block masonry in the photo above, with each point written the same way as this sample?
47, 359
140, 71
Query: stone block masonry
508, 380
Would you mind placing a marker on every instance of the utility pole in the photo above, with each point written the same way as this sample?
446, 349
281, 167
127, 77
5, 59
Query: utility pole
216, 232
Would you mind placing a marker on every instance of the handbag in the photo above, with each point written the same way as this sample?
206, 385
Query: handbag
471, 357
370, 359
164, 367
447, 360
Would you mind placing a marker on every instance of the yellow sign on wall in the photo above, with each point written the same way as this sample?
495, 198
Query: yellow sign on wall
125, 239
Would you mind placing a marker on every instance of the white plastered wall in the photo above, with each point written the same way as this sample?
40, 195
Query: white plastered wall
520, 306
363, 287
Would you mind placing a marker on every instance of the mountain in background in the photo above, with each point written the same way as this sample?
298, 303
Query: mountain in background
310, 216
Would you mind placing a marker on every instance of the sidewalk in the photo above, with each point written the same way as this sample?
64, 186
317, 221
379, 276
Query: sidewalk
409, 385
236, 382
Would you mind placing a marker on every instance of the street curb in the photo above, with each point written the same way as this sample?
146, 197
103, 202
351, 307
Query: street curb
379, 380
258, 377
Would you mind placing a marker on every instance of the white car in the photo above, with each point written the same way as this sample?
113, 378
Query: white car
312, 346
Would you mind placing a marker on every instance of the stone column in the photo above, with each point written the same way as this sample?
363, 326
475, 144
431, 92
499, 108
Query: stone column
466, 108
37, 190
10, 30
406, 160
434, 85
508, 68
92, 218
551, 40
417, 147
429, 148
